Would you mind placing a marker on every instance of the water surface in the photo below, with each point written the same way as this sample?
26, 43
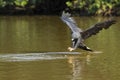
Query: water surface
35, 48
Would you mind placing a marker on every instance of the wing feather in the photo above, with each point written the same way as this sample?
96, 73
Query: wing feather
96, 28
70, 22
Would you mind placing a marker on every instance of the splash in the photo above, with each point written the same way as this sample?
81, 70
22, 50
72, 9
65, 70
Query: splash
35, 56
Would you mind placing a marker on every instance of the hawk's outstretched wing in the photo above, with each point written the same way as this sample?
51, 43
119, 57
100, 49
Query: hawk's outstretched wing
96, 28
70, 22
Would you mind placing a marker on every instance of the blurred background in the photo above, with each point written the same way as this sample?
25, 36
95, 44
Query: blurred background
54, 7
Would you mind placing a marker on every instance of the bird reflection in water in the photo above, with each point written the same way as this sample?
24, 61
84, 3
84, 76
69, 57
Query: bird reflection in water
78, 64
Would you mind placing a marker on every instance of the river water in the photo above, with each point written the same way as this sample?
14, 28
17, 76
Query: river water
35, 48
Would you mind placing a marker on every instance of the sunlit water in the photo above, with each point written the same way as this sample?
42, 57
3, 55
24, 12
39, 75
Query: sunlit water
35, 48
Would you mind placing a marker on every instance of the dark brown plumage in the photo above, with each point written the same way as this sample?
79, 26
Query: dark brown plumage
96, 28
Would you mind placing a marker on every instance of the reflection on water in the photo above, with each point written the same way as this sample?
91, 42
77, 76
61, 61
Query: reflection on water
24, 38
16, 63
77, 66
32, 34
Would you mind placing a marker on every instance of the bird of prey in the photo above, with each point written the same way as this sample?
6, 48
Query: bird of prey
78, 35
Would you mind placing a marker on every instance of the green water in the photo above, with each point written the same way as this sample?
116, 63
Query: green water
23, 39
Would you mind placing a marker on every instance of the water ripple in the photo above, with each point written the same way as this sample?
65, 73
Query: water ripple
34, 56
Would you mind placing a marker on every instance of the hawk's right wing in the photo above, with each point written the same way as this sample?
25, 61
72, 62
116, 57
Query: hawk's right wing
96, 28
